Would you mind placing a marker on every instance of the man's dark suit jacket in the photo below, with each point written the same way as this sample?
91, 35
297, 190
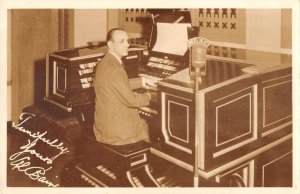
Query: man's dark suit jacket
117, 120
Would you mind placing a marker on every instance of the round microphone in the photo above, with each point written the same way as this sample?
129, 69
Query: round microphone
198, 55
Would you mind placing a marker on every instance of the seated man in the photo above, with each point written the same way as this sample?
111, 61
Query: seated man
117, 121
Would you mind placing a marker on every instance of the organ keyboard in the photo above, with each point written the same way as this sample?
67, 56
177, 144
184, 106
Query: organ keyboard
102, 176
160, 67
107, 171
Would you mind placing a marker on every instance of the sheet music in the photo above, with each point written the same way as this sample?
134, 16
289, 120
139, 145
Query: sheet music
171, 38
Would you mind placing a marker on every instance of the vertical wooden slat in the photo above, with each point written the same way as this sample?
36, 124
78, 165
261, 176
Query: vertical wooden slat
286, 28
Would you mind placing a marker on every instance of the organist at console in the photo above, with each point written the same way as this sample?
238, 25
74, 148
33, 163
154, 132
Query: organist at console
244, 113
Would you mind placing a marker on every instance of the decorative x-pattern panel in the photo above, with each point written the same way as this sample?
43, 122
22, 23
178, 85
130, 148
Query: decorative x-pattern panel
220, 24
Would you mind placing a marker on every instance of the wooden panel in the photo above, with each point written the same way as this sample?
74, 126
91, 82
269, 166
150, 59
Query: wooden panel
229, 122
112, 18
263, 29
89, 25
275, 101
66, 28
30, 32
173, 124
274, 167
286, 28
232, 121
178, 124
280, 167
241, 176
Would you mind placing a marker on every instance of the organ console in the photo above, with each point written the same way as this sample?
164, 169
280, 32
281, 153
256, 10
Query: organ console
69, 77
233, 99
70, 73
239, 93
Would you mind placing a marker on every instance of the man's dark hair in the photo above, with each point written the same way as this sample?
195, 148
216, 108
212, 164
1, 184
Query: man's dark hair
111, 32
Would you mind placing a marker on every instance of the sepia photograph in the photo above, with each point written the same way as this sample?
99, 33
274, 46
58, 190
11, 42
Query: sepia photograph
157, 97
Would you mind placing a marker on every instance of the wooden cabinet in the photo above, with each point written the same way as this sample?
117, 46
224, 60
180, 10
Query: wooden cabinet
240, 176
274, 168
245, 124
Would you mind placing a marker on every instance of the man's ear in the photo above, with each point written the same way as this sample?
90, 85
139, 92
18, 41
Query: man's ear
109, 44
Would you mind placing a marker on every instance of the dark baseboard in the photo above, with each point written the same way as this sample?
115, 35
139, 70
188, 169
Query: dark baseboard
9, 125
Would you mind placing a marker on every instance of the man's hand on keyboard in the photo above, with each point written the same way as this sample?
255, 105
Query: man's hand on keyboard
149, 84
153, 95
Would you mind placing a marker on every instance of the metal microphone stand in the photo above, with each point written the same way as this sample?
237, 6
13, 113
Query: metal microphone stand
197, 80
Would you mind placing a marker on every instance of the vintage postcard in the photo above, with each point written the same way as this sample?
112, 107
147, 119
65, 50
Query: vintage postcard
150, 97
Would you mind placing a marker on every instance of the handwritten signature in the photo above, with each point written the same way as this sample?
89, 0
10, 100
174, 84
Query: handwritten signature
23, 164
33, 172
